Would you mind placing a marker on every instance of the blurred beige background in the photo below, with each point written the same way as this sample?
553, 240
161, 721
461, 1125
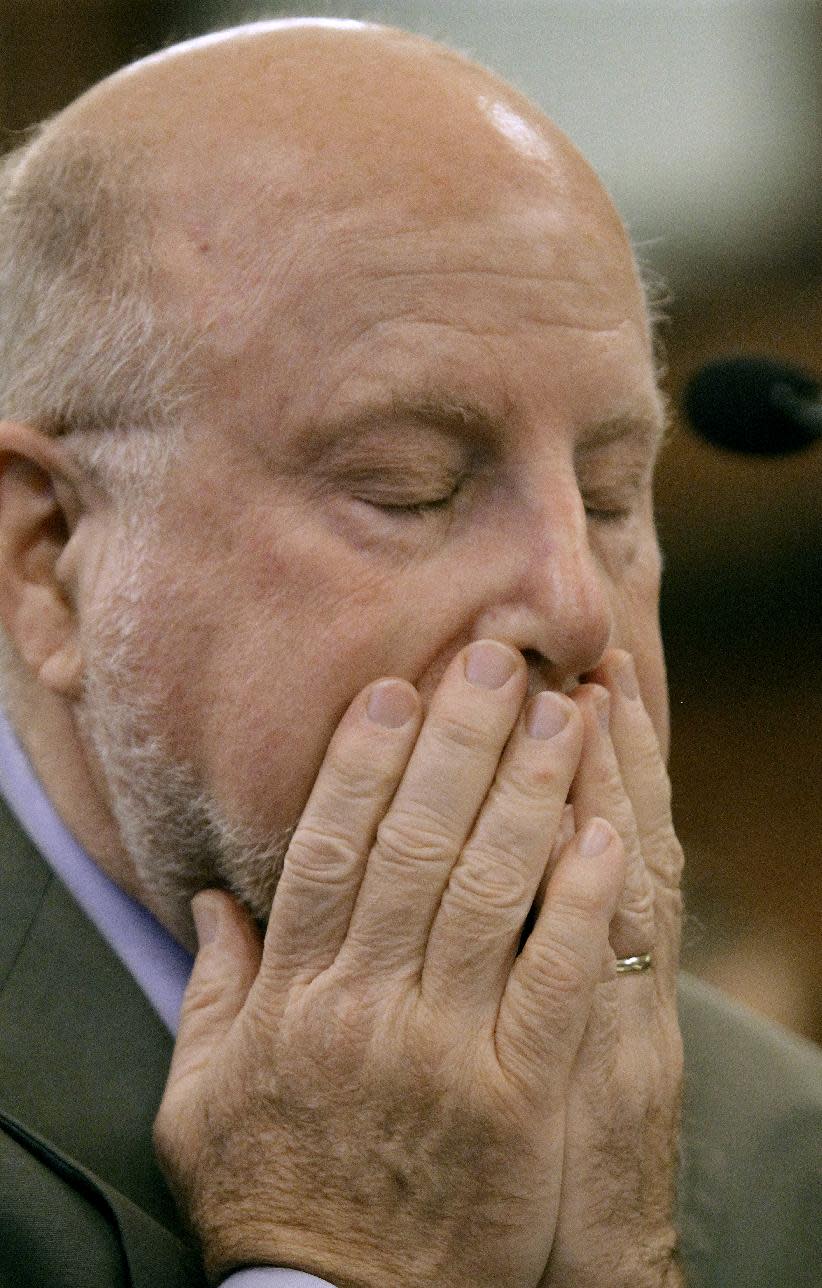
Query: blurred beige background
705, 119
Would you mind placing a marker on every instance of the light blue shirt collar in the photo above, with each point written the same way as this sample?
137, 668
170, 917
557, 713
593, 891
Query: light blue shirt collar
156, 961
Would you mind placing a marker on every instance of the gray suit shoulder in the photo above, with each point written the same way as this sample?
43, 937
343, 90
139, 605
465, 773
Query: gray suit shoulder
751, 1181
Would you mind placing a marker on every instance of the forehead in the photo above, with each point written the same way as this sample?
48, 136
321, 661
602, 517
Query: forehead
525, 301
331, 204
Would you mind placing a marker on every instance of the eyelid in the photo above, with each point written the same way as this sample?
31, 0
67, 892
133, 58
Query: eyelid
613, 505
420, 507
615, 514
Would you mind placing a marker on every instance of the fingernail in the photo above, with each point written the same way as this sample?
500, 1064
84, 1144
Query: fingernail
391, 703
602, 698
626, 679
489, 665
205, 918
594, 838
547, 715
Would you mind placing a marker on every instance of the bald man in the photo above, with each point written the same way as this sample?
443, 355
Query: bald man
329, 582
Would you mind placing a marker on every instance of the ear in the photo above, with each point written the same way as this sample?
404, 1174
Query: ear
40, 507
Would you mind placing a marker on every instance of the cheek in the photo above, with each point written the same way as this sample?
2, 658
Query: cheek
274, 678
274, 688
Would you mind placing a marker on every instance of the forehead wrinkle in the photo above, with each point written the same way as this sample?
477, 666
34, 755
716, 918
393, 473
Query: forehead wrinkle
531, 243
535, 300
542, 284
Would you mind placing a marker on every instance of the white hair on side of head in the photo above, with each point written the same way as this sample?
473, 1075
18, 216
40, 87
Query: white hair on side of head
84, 354
83, 351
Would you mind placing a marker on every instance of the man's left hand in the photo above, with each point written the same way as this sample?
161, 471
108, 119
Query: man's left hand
623, 1114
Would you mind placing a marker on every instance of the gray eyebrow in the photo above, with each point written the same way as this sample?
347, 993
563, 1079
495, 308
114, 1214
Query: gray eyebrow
648, 428
457, 415
440, 413
492, 423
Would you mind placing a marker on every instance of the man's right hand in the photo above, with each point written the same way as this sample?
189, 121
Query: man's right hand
379, 1093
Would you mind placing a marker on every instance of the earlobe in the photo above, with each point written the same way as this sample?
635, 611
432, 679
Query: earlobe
62, 671
39, 507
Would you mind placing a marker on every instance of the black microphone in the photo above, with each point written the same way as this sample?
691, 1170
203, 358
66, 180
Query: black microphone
755, 405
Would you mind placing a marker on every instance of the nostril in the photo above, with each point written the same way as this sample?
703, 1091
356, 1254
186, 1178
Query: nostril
536, 671
541, 674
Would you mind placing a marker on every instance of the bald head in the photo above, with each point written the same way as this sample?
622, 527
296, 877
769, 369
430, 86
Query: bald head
245, 136
351, 110
156, 222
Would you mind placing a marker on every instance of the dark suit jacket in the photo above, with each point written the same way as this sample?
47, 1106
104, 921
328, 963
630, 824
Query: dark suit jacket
83, 1060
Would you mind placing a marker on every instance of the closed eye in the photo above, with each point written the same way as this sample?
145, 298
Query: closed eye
613, 504
415, 508
608, 514
419, 508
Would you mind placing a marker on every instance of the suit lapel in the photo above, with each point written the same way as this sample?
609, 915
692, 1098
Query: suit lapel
83, 1057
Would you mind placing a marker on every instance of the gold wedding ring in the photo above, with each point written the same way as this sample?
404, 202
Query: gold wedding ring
633, 965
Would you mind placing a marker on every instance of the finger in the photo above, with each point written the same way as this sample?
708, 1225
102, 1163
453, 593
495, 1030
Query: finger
642, 767
647, 785
451, 768
477, 927
225, 968
547, 1001
327, 856
565, 834
598, 790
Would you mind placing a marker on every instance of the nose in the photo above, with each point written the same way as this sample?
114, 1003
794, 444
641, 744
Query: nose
557, 608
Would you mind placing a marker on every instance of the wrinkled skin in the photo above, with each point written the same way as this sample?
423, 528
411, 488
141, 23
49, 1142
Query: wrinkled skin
511, 1117
431, 419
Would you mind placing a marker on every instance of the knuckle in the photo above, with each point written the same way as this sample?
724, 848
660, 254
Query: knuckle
492, 878
449, 731
561, 966
638, 902
351, 776
322, 856
345, 1009
404, 836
